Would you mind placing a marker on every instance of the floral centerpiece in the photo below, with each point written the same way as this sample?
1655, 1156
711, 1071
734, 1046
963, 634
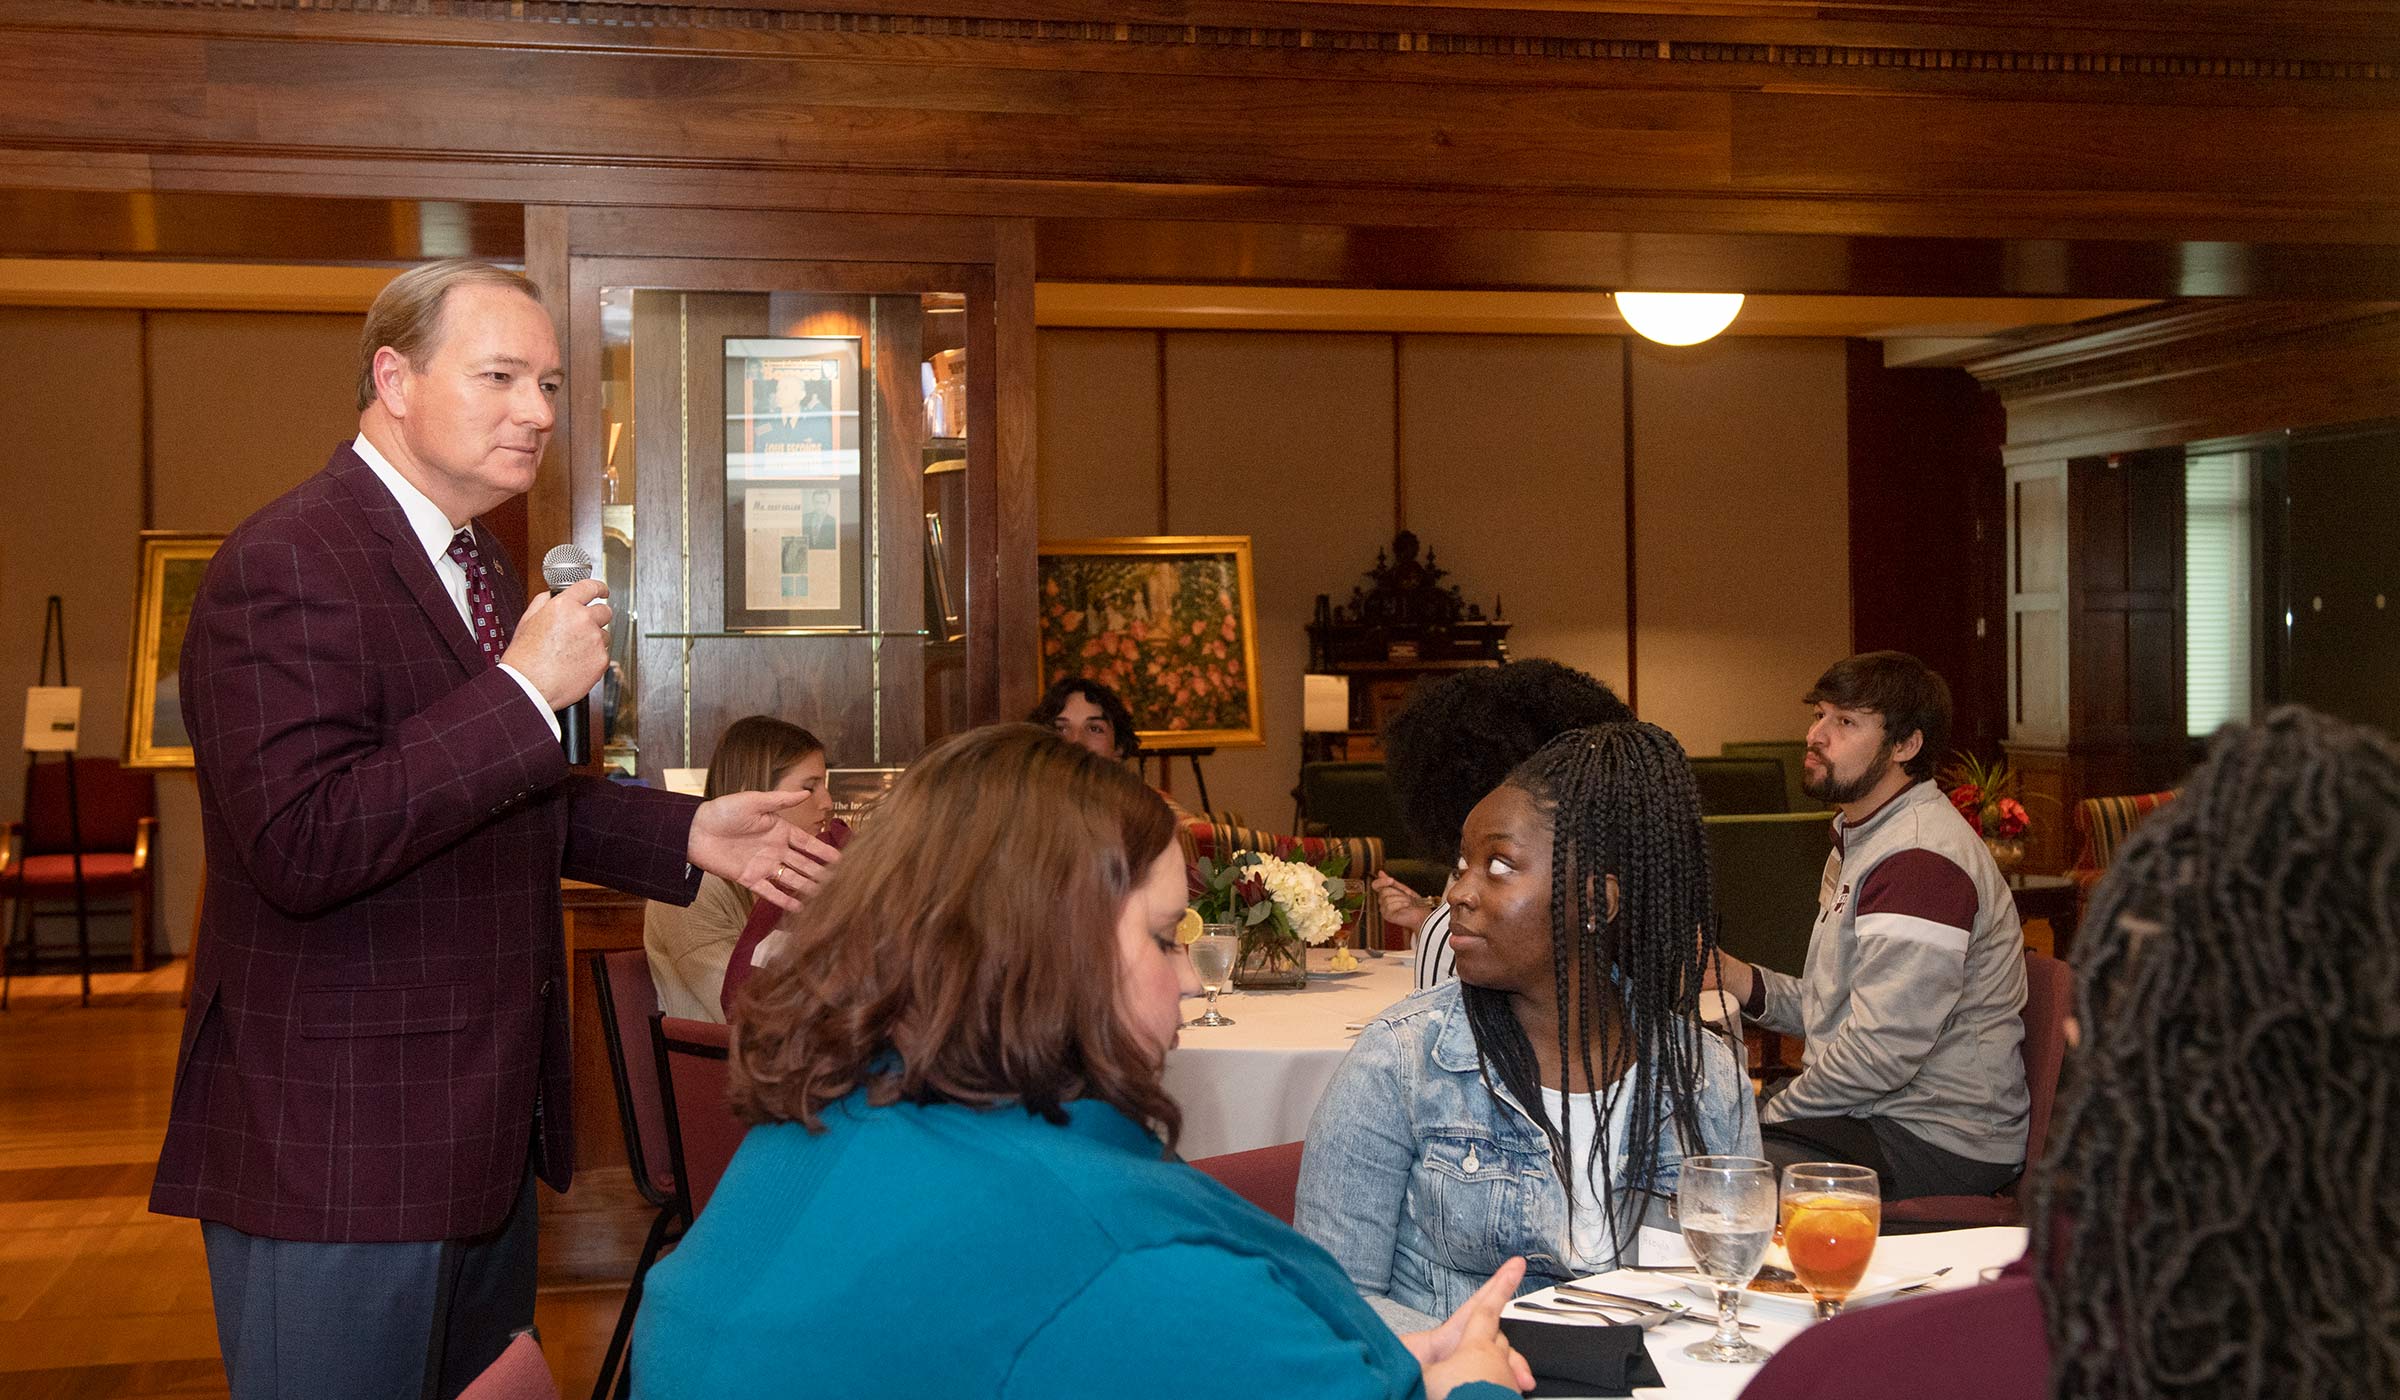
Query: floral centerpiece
1986, 795
1278, 908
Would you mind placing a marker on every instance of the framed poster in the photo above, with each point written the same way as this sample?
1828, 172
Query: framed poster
794, 483
1169, 622
173, 563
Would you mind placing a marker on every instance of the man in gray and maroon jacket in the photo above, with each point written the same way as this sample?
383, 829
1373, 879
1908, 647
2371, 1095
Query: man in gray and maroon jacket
1915, 983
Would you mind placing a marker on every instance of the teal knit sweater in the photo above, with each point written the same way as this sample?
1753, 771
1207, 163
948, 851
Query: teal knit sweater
943, 1251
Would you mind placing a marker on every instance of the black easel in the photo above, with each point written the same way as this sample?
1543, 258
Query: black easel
54, 626
1166, 760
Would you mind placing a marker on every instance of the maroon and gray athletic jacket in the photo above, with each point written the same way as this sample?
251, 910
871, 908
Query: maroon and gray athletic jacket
1915, 983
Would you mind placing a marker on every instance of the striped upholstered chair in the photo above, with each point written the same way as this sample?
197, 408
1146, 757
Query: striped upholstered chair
2101, 825
1219, 840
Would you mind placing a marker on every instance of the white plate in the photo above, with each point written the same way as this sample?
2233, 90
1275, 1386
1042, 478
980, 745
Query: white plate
1877, 1286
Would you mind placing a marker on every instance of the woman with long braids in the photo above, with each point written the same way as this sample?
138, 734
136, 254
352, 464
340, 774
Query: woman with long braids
1541, 1104
2218, 1212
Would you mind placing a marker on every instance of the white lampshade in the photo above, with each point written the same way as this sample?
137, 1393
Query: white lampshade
1325, 704
1679, 318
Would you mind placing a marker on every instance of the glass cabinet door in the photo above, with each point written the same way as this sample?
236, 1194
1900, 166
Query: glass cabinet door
783, 454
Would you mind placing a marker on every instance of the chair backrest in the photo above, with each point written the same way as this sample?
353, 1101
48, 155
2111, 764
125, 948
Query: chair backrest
1221, 840
1766, 868
702, 1132
1734, 786
1789, 753
521, 1373
110, 800
2103, 823
2049, 997
1356, 799
1266, 1177
628, 999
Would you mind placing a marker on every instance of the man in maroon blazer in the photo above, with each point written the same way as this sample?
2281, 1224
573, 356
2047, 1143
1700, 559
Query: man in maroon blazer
375, 1062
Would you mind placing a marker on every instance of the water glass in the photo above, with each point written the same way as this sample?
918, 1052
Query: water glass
1213, 954
1726, 1209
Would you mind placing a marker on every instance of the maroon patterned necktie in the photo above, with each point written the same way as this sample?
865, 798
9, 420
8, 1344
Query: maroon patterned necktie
482, 606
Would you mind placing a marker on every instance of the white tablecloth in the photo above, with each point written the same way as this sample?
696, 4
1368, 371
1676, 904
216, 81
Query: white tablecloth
1965, 1252
1255, 1083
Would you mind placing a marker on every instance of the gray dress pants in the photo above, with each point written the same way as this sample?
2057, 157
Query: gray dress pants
300, 1320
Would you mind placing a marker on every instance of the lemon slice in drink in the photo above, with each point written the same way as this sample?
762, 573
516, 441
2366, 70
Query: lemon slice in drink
1188, 931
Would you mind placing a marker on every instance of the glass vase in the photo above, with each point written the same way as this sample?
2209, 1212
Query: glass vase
1271, 962
2007, 854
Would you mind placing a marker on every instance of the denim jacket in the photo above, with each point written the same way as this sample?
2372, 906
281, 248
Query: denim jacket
1421, 1182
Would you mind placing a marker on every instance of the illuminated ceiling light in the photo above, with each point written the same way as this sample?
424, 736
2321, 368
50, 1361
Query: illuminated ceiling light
1678, 318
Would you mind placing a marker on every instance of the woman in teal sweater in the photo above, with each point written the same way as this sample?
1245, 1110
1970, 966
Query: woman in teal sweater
957, 1184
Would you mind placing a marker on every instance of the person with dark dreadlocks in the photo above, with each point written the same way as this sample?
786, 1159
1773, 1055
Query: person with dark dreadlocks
1541, 1104
1456, 740
2216, 1215
1914, 987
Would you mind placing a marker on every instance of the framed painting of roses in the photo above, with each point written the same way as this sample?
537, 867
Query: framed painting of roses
1169, 622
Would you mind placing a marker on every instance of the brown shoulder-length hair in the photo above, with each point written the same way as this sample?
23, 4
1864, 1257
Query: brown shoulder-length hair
965, 948
755, 752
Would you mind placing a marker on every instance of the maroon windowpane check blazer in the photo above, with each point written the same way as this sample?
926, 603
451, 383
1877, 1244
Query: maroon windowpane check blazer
378, 1005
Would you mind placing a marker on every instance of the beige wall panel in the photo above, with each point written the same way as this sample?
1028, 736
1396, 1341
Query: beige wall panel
1512, 464
1096, 439
2041, 710
1287, 439
70, 512
1741, 522
245, 405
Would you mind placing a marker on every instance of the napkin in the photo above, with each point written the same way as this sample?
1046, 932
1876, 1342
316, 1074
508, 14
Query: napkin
1574, 1358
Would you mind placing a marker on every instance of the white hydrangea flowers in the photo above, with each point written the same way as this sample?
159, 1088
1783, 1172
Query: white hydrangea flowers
1300, 893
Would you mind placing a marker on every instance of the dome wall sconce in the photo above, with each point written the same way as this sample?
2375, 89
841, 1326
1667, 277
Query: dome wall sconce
1678, 318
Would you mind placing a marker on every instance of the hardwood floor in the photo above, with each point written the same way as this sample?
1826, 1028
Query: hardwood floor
101, 1300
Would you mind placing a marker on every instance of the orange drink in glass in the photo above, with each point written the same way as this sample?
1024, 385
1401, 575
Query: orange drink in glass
1831, 1212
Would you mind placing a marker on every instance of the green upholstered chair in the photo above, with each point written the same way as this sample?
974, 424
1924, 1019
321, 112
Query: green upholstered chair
1356, 799
1735, 786
1787, 752
1767, 867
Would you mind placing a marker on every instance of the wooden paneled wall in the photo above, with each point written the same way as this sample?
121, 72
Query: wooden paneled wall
2098, 419
2188, 145
1927, 526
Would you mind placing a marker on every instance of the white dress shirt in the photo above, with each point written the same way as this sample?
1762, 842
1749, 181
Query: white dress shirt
434, 532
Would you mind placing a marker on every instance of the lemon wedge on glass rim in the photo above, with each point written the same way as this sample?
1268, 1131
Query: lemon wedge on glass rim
1188, 929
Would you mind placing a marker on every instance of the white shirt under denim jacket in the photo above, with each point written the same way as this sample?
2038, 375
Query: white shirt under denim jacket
1421, 1182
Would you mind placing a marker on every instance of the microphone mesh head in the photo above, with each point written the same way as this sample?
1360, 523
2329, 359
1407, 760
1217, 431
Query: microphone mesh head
565, 565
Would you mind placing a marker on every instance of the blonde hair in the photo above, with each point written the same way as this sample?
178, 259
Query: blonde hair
407, 314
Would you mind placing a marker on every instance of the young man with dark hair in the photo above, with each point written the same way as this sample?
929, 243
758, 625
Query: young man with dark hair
1916, 978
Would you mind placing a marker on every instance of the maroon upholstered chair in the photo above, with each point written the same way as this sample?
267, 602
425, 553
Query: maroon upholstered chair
521, 1373
115, 810
2049, 995
1266, 1177
628, 1002
702, 1132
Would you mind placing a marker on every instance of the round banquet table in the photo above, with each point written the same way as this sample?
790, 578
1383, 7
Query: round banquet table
1256, 1082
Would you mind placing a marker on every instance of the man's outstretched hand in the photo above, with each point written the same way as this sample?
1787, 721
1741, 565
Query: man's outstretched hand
743, 838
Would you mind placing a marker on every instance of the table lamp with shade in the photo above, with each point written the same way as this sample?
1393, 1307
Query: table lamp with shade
1324, 711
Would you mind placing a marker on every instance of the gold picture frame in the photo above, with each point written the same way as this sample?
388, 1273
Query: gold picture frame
172, 564
1169, 622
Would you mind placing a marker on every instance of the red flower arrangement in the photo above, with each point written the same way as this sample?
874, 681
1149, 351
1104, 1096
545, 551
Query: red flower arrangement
1985, 794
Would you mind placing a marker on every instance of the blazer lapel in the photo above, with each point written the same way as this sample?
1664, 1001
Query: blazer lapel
408, 558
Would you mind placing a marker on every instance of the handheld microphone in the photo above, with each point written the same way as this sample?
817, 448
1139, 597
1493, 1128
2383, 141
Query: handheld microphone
562, 568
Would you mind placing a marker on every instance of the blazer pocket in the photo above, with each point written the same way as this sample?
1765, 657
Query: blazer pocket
336, 1013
